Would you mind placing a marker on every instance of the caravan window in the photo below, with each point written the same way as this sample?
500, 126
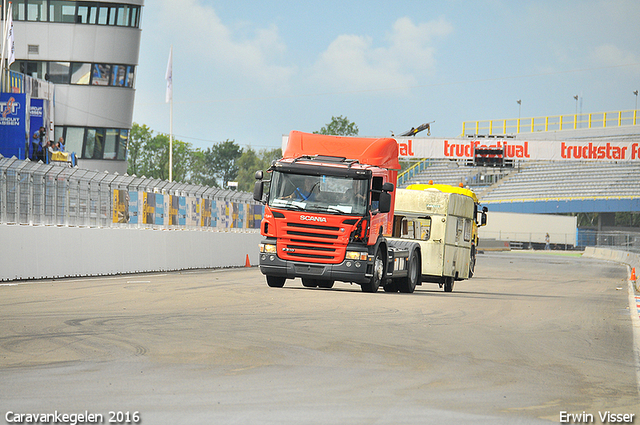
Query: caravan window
415, 228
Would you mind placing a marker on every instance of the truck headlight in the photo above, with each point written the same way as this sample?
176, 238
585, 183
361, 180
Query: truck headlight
356, 255
267, 247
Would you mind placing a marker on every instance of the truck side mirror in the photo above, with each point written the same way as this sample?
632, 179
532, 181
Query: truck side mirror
258, 188
387, 187
483, 217
384, 205
258, 175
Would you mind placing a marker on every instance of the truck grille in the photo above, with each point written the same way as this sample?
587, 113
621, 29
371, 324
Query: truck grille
305, 241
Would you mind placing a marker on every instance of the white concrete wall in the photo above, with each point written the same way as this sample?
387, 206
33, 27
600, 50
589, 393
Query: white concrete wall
34, 252
629, 258
519, 227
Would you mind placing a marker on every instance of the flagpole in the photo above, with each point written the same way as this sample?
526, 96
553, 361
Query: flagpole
171, 122
4, 31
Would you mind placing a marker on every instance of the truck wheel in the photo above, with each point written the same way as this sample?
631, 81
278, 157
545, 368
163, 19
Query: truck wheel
448, 284
276, 281
391, 286
408, 284
378, 273
309, 283
472, 261
327, 284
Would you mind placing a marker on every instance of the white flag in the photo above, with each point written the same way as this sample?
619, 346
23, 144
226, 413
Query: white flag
10, 45
169, 78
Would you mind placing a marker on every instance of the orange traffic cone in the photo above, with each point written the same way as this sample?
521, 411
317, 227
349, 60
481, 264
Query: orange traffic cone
633, 274
247, 263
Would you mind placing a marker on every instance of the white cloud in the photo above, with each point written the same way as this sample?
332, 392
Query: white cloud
352, 62
611, 55
201, 32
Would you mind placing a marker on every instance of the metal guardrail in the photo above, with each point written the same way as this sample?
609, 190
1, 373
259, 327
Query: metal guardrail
551, 123
49, 194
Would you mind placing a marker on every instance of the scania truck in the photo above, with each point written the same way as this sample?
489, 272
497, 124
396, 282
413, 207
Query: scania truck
329, 214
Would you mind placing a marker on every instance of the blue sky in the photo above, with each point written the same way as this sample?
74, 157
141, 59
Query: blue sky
252, 71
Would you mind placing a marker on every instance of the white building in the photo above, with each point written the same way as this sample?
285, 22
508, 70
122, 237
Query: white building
89, 50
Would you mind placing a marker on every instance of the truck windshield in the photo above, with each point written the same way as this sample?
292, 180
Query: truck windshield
331, 194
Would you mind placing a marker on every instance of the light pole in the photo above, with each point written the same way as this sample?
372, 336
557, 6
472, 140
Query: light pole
635, 111
519, 102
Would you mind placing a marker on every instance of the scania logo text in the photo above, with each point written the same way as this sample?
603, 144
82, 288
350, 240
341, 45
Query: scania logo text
312, 218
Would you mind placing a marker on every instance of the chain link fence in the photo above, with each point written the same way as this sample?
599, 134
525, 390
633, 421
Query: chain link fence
626, 241
57, 195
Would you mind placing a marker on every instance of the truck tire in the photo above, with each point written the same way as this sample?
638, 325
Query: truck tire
448, 284
408, 285
378, 273
472, 261
391, 286
276, 281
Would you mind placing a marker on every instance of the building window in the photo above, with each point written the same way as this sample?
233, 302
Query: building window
62, 11
101, 74
123, 143
95, 143
81, 12
74, 138
110, 143
19, 11
37, 10
59, 72
80, 73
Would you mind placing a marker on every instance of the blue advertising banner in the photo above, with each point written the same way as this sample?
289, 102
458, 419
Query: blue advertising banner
182, 211
159, 218
36, 111
133, 207
13, 110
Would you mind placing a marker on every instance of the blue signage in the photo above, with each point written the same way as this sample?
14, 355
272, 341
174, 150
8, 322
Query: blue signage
13, 131
36, 121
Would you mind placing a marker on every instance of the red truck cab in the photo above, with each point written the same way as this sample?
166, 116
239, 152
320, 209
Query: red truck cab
328, 210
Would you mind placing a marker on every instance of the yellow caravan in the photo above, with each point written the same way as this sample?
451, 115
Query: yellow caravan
442, 219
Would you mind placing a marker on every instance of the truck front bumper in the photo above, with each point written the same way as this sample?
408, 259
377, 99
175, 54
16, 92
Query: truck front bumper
347, 271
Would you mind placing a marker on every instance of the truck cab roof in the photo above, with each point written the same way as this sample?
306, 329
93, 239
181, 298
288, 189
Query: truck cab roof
380, 152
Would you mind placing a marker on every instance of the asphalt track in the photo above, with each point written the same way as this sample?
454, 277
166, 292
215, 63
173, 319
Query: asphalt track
530, 336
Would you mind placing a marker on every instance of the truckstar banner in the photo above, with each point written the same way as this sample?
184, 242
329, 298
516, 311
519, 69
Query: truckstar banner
521, 149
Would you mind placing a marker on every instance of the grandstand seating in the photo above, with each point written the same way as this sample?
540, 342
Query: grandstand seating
450, 172
549, 180
539, 179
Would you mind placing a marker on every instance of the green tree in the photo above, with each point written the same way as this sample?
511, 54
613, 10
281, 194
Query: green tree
220, 165
339, 126
199, 173
149, 155
138, 137
252, 161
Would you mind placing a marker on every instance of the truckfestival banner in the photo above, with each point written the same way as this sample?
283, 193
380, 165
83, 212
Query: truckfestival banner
521, 149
